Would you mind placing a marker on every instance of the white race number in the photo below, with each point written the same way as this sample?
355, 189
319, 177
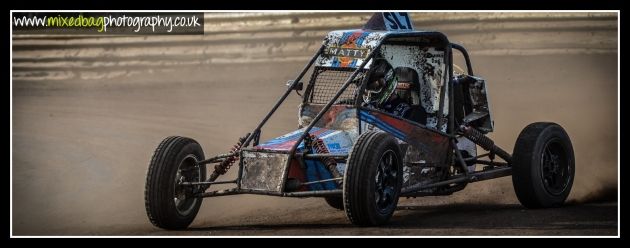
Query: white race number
397, 21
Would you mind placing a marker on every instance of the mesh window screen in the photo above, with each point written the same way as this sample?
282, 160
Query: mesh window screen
325, 83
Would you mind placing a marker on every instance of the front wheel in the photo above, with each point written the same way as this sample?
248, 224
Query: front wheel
543, 165
169, 204
373, 179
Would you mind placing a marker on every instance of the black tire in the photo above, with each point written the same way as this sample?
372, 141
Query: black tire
371, 188
169, 206
543, 165
335, 202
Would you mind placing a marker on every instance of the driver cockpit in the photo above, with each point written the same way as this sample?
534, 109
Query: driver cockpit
395, 91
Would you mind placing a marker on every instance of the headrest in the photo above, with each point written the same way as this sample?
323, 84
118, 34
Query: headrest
405, 74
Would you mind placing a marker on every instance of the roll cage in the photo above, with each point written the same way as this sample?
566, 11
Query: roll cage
442, 143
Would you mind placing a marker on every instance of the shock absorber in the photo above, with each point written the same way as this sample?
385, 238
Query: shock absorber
225, 165
484, 142
319, 147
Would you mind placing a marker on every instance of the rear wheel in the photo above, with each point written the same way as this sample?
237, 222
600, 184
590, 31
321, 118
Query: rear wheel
373, 179
169, 204
543, 165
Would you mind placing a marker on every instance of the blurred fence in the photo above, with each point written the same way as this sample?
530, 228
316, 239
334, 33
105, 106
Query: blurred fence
274, 37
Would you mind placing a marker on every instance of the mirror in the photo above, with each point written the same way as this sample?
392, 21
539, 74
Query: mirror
298, 86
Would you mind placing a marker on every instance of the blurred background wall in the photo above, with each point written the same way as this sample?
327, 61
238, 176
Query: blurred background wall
233, 38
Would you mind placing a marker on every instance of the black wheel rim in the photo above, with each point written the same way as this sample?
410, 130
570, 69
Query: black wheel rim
556, 172
187, 171
386, 181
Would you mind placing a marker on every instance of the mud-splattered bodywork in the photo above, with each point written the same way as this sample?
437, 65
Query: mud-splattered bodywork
426, 147
349, 48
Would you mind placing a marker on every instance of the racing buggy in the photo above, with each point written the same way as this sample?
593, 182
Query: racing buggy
384, 114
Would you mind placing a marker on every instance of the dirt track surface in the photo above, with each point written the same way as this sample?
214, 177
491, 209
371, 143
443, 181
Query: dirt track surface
81, 150
442, 220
